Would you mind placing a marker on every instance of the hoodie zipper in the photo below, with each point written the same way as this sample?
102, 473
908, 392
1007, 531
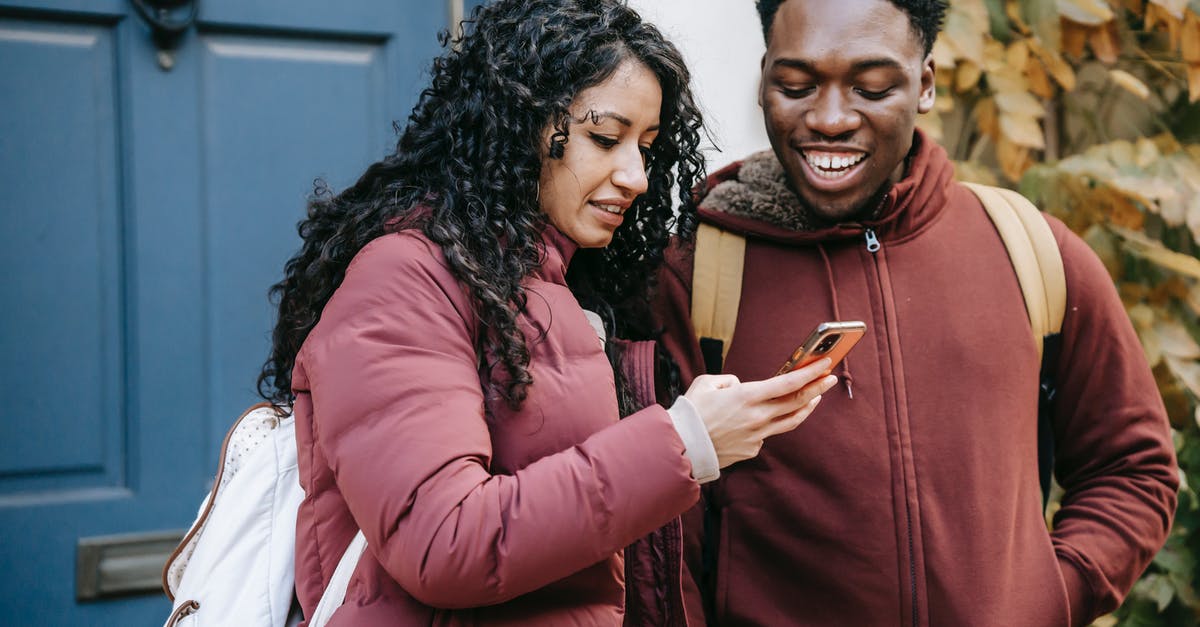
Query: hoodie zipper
873, 246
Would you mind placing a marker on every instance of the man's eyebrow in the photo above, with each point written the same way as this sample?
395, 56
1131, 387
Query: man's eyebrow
596, 116
857, 67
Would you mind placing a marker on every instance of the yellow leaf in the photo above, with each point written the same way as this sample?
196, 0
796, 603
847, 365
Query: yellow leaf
1090, 12
966, 76
1074, 37
1014, 160
1105, 42
1022, 130
1175, 339
1129, 83
1007, 80
1189, 45
1121, 153
1142, 246
1174, 8
986, 118
966, 38
1117, 208
1146, 152
1017, 55
1058, 68
1013, 10
1193, 73
1193, 215
994, 56
1147, 190
1193, 300
1020, 103
1039, 81
1188, 373
943, 54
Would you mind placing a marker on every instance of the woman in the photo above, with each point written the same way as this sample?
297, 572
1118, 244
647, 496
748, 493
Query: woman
451, 397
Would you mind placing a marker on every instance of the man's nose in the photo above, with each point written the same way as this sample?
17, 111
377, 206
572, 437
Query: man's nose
832, 115
630, 172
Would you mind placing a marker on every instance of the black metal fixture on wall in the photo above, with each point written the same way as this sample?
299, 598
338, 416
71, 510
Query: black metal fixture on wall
168, 21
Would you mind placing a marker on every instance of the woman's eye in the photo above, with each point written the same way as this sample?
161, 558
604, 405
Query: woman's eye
603, 141
873, 95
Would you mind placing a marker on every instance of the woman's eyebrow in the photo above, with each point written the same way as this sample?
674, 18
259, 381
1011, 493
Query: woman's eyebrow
596, 116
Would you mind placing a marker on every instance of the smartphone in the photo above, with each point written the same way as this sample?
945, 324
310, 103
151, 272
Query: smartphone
829, 339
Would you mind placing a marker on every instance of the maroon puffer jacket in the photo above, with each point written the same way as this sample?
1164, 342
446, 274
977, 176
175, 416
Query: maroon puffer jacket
473, 513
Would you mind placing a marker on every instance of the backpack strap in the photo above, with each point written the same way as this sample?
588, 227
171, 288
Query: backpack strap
335, 592
1034, 255
1036, 259
716, 291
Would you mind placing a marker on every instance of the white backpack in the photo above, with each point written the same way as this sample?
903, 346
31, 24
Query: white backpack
236, 565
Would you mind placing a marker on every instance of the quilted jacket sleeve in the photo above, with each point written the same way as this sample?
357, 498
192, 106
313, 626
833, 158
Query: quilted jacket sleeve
399, 414
1114, 454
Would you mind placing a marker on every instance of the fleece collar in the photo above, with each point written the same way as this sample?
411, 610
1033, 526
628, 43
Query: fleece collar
753, 198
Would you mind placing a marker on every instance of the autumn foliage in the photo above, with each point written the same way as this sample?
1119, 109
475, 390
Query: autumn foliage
1092, 109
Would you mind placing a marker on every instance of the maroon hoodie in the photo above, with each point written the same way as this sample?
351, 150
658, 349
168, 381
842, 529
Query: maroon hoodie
915, 500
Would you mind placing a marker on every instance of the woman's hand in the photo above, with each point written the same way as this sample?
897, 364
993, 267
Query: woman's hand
739, 416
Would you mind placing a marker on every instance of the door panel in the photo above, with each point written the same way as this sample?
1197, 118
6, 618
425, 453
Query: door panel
70, 232
144, 215
257, 142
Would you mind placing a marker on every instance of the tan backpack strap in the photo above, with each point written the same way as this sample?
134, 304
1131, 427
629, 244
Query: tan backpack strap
717, 283
1034, 254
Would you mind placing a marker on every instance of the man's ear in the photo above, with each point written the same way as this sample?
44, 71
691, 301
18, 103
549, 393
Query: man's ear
928, 88
762, 66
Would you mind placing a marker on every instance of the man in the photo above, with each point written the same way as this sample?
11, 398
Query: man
911, 497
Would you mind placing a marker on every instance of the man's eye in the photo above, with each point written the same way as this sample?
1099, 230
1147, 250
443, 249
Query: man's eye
602, 141
796, 92
873, 95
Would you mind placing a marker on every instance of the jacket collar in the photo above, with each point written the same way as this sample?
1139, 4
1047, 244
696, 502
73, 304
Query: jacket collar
758, 202
558, 249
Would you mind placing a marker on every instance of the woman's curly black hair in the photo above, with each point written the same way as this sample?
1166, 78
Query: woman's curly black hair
924, 16
465, 172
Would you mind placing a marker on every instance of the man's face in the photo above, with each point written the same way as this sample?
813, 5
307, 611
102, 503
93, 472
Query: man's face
842, 84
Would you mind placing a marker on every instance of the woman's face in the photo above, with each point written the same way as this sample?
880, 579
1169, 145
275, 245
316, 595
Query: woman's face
603, 169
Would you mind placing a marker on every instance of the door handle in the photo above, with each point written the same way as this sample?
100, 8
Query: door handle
168, 21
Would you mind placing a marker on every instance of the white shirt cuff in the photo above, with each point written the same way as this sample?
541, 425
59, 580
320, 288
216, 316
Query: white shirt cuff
697, 445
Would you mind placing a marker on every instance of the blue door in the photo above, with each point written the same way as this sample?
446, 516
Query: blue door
148, 201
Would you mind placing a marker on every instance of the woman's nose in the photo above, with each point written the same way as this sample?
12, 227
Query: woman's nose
630, 172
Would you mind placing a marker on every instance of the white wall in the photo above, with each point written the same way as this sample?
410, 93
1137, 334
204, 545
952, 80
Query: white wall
721, 41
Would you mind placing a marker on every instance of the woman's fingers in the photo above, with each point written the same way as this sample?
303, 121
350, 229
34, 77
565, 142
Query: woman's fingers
787, 422
794, 401
786, 383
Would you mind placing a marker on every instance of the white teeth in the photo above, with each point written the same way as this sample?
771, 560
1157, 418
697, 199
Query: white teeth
832, 166
611, 208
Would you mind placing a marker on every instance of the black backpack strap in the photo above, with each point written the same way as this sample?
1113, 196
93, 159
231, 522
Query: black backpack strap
1047, 391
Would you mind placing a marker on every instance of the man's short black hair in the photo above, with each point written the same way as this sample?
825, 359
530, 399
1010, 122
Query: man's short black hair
925, 17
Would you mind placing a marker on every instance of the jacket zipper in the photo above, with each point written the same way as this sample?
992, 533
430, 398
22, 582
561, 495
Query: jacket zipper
873, 247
